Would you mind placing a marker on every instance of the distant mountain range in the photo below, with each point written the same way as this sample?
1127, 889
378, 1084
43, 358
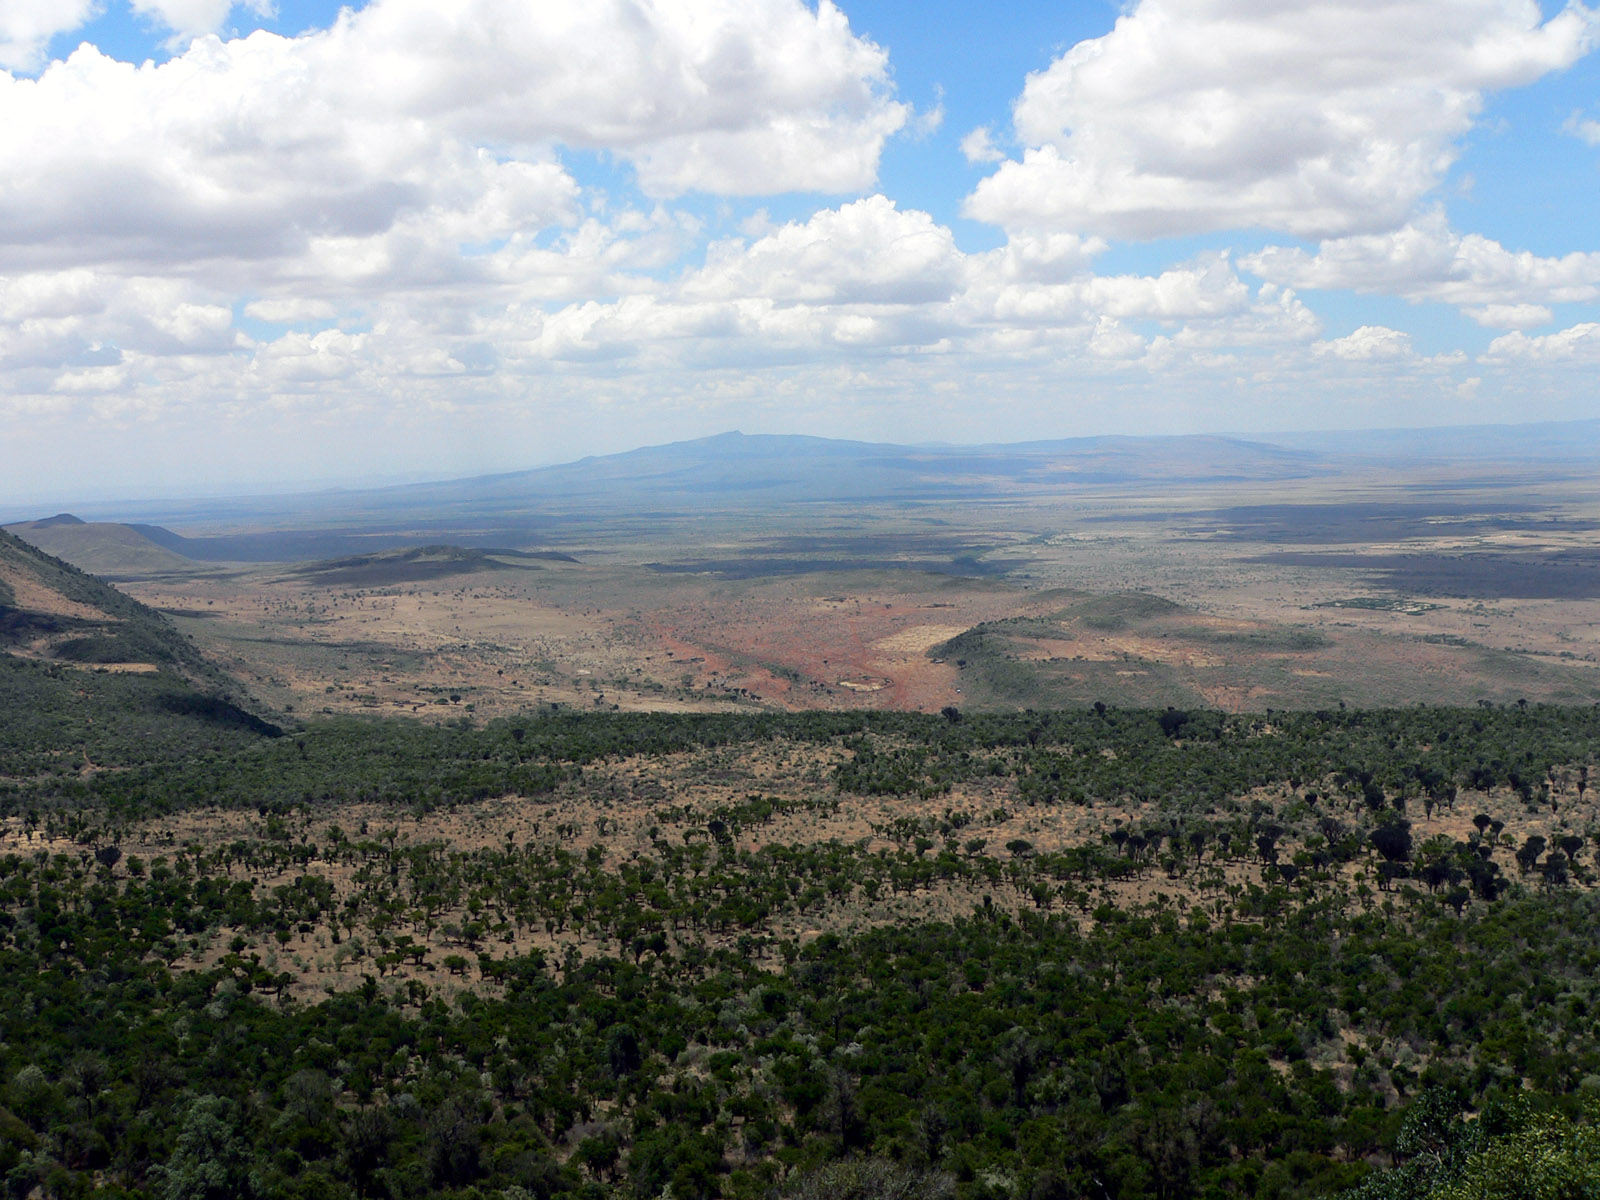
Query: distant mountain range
734, 472
788, 468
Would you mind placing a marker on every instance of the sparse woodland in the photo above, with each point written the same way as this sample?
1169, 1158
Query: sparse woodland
1107, 953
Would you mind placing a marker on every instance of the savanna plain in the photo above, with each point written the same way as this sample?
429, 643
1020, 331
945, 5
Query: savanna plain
1167, 817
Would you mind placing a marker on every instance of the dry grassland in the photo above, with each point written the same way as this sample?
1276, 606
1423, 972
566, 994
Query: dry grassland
1445, 595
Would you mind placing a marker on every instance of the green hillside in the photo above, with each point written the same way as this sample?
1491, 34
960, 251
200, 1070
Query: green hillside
103, 548
91, 677
420, 563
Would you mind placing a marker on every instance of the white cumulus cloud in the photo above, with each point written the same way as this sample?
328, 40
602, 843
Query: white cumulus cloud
1511, 316
1427, 260
869, 276
1316, 119
451, 114
978, 147
1585, 128
286, 310
1370, 343
733, 96
1577, 345
26, 27
865, 251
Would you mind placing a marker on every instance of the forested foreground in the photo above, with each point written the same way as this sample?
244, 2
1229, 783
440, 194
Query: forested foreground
1173, 758
1296, 952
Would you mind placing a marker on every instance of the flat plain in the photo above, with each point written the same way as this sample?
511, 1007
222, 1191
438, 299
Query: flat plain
1362, 581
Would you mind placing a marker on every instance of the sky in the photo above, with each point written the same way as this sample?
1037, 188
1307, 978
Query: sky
259, 245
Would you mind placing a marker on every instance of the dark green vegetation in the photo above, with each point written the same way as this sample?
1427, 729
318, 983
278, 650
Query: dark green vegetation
1557, 575
78, 618
1186, 762
62, 710
1513, 1149
1308, 988
419, 564
59, 720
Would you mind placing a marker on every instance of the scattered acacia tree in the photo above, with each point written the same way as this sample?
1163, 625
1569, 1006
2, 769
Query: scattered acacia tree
1056, 1042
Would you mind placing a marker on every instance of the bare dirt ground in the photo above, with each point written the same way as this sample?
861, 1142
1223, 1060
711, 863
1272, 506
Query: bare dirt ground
591, 637
29, 593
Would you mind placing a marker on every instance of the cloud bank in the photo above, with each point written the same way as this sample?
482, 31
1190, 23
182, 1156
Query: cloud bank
490, 211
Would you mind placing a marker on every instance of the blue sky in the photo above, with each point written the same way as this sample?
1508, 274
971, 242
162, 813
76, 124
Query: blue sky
425, 240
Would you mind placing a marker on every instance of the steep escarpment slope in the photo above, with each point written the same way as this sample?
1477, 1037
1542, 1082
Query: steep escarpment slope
90, 677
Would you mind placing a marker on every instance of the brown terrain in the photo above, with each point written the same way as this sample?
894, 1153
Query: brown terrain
1252, 624
1280, 578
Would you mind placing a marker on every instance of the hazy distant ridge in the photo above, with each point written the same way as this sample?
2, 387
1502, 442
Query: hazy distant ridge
774, 468
732, 472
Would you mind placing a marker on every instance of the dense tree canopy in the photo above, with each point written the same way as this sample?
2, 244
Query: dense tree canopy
1280, 1031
